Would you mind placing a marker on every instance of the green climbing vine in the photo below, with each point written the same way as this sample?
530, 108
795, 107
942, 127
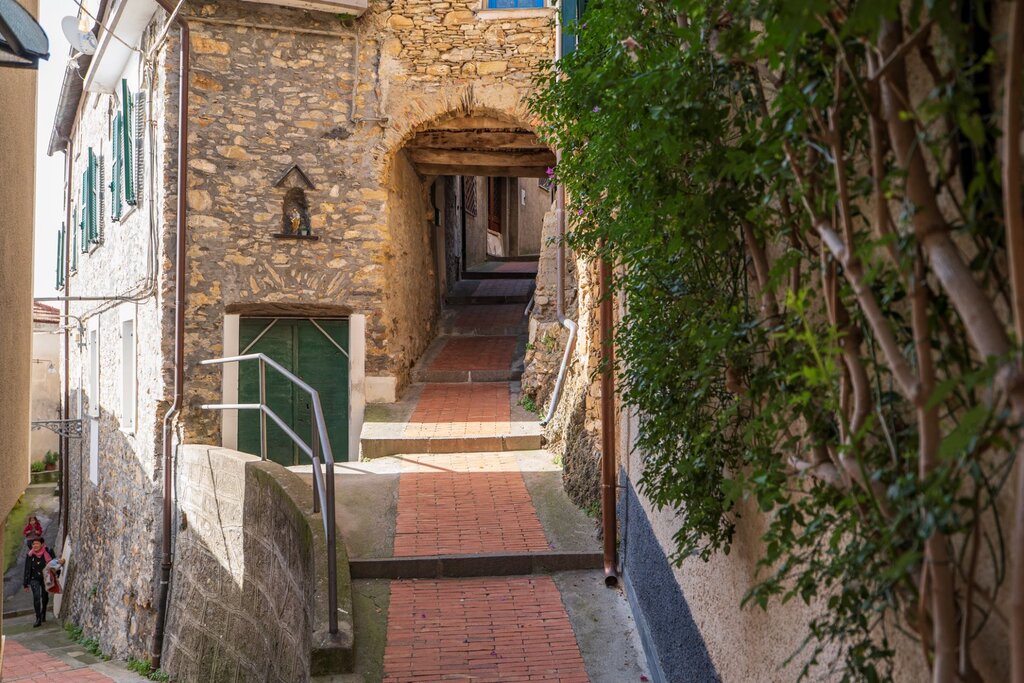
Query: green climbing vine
804, 203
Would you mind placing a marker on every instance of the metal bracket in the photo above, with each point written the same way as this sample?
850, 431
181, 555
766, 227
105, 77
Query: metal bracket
69, 428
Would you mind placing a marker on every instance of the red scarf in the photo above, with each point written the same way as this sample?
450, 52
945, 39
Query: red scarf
30, 529
42, 553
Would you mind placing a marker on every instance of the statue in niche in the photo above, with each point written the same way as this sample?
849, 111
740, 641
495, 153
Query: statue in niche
295, 209
296, 213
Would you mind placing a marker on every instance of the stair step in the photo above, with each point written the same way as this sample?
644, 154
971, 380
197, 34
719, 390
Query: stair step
491, 291
499, 275
378, 441
486, 564
472, 358
512, 374
485, 320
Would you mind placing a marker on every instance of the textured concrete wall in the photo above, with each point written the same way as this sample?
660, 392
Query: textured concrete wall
17, 183
45, 387
242, 606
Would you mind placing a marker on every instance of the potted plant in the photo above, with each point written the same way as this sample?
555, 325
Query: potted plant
37, 466
51, 460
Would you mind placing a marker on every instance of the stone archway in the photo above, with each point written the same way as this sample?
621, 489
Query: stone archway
419, 172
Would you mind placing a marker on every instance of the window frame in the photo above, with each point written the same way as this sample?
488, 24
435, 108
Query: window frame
129, 370
486, 5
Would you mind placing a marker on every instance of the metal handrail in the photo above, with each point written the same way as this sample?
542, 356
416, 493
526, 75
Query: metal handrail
323, 486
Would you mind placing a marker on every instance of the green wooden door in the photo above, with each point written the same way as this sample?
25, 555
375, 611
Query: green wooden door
315, 350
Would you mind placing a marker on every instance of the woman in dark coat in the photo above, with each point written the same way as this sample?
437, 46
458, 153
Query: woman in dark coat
35, 566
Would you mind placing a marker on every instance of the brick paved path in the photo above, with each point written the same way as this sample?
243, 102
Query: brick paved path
28, 666
475, 353
497, 630
448, 506
35, 655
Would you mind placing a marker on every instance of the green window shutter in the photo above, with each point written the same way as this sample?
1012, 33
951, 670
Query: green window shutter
93, 207
127, 142
74, 240
83, 224
60, 258
118, 161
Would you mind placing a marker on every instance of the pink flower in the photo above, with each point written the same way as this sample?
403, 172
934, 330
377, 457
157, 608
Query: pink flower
550, 171
631, 46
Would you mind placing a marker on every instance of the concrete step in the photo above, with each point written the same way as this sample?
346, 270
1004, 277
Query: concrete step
379, 440
451, 418
491, 291
484, 564
500, 275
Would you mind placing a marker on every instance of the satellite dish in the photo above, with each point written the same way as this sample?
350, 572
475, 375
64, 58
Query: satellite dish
81, 41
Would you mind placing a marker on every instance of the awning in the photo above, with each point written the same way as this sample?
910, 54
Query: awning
22, 41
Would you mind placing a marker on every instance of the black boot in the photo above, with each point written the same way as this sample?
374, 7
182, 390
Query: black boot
39, 622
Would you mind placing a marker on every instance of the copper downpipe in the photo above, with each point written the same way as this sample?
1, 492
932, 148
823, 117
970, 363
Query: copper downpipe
166, 559
608, 475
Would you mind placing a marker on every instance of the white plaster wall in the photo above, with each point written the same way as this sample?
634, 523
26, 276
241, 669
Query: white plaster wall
45, 387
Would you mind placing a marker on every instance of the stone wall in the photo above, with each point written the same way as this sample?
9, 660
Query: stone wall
245, 603
114, 516
573, 433
338, 98
412, 304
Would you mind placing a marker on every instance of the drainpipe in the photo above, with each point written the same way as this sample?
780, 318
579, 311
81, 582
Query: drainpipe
166, 559
608, 474
65, 442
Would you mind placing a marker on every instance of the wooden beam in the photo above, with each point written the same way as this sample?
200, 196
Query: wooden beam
451, 157
476, 139
497, 171
470, 122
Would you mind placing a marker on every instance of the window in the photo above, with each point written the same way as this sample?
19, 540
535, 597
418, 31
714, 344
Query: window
514, 4
94, 400
92, 196
128, 374
74, 240
572, 14
61, 248
94, 371
122, 141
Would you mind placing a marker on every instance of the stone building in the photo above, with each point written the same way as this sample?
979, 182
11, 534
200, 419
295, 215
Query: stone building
329, 145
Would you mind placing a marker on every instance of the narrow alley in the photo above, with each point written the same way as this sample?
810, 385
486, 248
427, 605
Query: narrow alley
468, 560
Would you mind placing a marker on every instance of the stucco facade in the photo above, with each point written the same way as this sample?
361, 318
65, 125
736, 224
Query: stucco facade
17, 192
45, 389
282, 100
